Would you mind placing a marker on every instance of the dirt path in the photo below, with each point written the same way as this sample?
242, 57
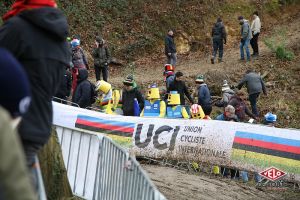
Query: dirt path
179, 185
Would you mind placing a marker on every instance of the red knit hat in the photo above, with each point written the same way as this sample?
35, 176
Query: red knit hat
21, 5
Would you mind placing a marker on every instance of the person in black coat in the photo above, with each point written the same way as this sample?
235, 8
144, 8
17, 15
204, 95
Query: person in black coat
179, 86
36, 36
219, 36
83, 91
128, 95
65, 86
170, 48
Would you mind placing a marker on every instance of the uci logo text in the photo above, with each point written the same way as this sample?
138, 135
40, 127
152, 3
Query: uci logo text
157, 145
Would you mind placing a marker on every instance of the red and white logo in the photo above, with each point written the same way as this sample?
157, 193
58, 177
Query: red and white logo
272, 173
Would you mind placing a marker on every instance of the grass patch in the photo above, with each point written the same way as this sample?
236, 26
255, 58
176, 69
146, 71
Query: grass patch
278, 45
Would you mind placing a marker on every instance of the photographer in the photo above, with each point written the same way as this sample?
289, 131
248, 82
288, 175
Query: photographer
101, 57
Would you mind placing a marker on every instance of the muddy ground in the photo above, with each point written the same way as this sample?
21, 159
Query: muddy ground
182, 185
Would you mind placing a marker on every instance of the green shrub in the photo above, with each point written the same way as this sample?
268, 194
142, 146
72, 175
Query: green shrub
277, 44
283, 54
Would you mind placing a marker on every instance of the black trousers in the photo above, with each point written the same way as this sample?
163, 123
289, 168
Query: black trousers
254, 44
218, 46
101, 69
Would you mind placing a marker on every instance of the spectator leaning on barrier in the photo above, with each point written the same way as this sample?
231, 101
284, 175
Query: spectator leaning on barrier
270, 119
169, 74
255, 86
83, 92
204, 98
179, 86
241, 109
14, 177
35, 32
64, 89
228, 115
129, 95
227, 94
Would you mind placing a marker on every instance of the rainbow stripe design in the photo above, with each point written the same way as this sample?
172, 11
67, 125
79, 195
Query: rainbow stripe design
263, 150
125, 129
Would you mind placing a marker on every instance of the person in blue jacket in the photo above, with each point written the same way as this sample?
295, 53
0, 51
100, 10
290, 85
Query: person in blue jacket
204, 98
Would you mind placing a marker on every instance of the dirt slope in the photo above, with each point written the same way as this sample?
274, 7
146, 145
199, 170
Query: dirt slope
283, 97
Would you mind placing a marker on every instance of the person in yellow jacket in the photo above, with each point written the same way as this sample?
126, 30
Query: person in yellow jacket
174, 109
110, 101
154, 106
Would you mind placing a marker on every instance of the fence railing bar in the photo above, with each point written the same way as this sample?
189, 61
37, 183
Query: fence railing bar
70, 145
87, 165
77, 160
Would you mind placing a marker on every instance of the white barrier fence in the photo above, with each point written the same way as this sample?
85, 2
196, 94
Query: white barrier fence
240, 145
98, 169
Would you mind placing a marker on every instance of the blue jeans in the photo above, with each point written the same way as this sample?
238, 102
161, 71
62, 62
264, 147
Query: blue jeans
244, 174
253, 101
172, 59
246, 46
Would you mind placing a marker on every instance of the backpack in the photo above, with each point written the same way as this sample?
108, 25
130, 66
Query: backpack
239, 108
94, 93
76, 54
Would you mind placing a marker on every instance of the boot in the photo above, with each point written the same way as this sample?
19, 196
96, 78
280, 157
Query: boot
212, 60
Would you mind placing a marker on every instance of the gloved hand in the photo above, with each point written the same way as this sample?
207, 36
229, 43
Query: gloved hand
169, 54
242, 41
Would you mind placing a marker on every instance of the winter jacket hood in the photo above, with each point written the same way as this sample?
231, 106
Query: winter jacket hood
218, 31
82, 75
229, 91
219, 25
204, 98
51, 20
36, 39
246, 30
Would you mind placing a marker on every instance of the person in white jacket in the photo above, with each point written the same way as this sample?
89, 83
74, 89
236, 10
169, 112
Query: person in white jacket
255, 28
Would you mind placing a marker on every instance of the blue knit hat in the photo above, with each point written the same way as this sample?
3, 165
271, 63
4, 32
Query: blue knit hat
15, 92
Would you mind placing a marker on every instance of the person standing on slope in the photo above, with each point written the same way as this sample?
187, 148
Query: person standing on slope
219, 37
255, 28
246, 35
170, 48
102, 58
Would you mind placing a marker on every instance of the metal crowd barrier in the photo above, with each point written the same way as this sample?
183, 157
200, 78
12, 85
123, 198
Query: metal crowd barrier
98, 168
41, 188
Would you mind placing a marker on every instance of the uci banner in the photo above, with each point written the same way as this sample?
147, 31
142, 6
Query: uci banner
240, 145
183, 139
